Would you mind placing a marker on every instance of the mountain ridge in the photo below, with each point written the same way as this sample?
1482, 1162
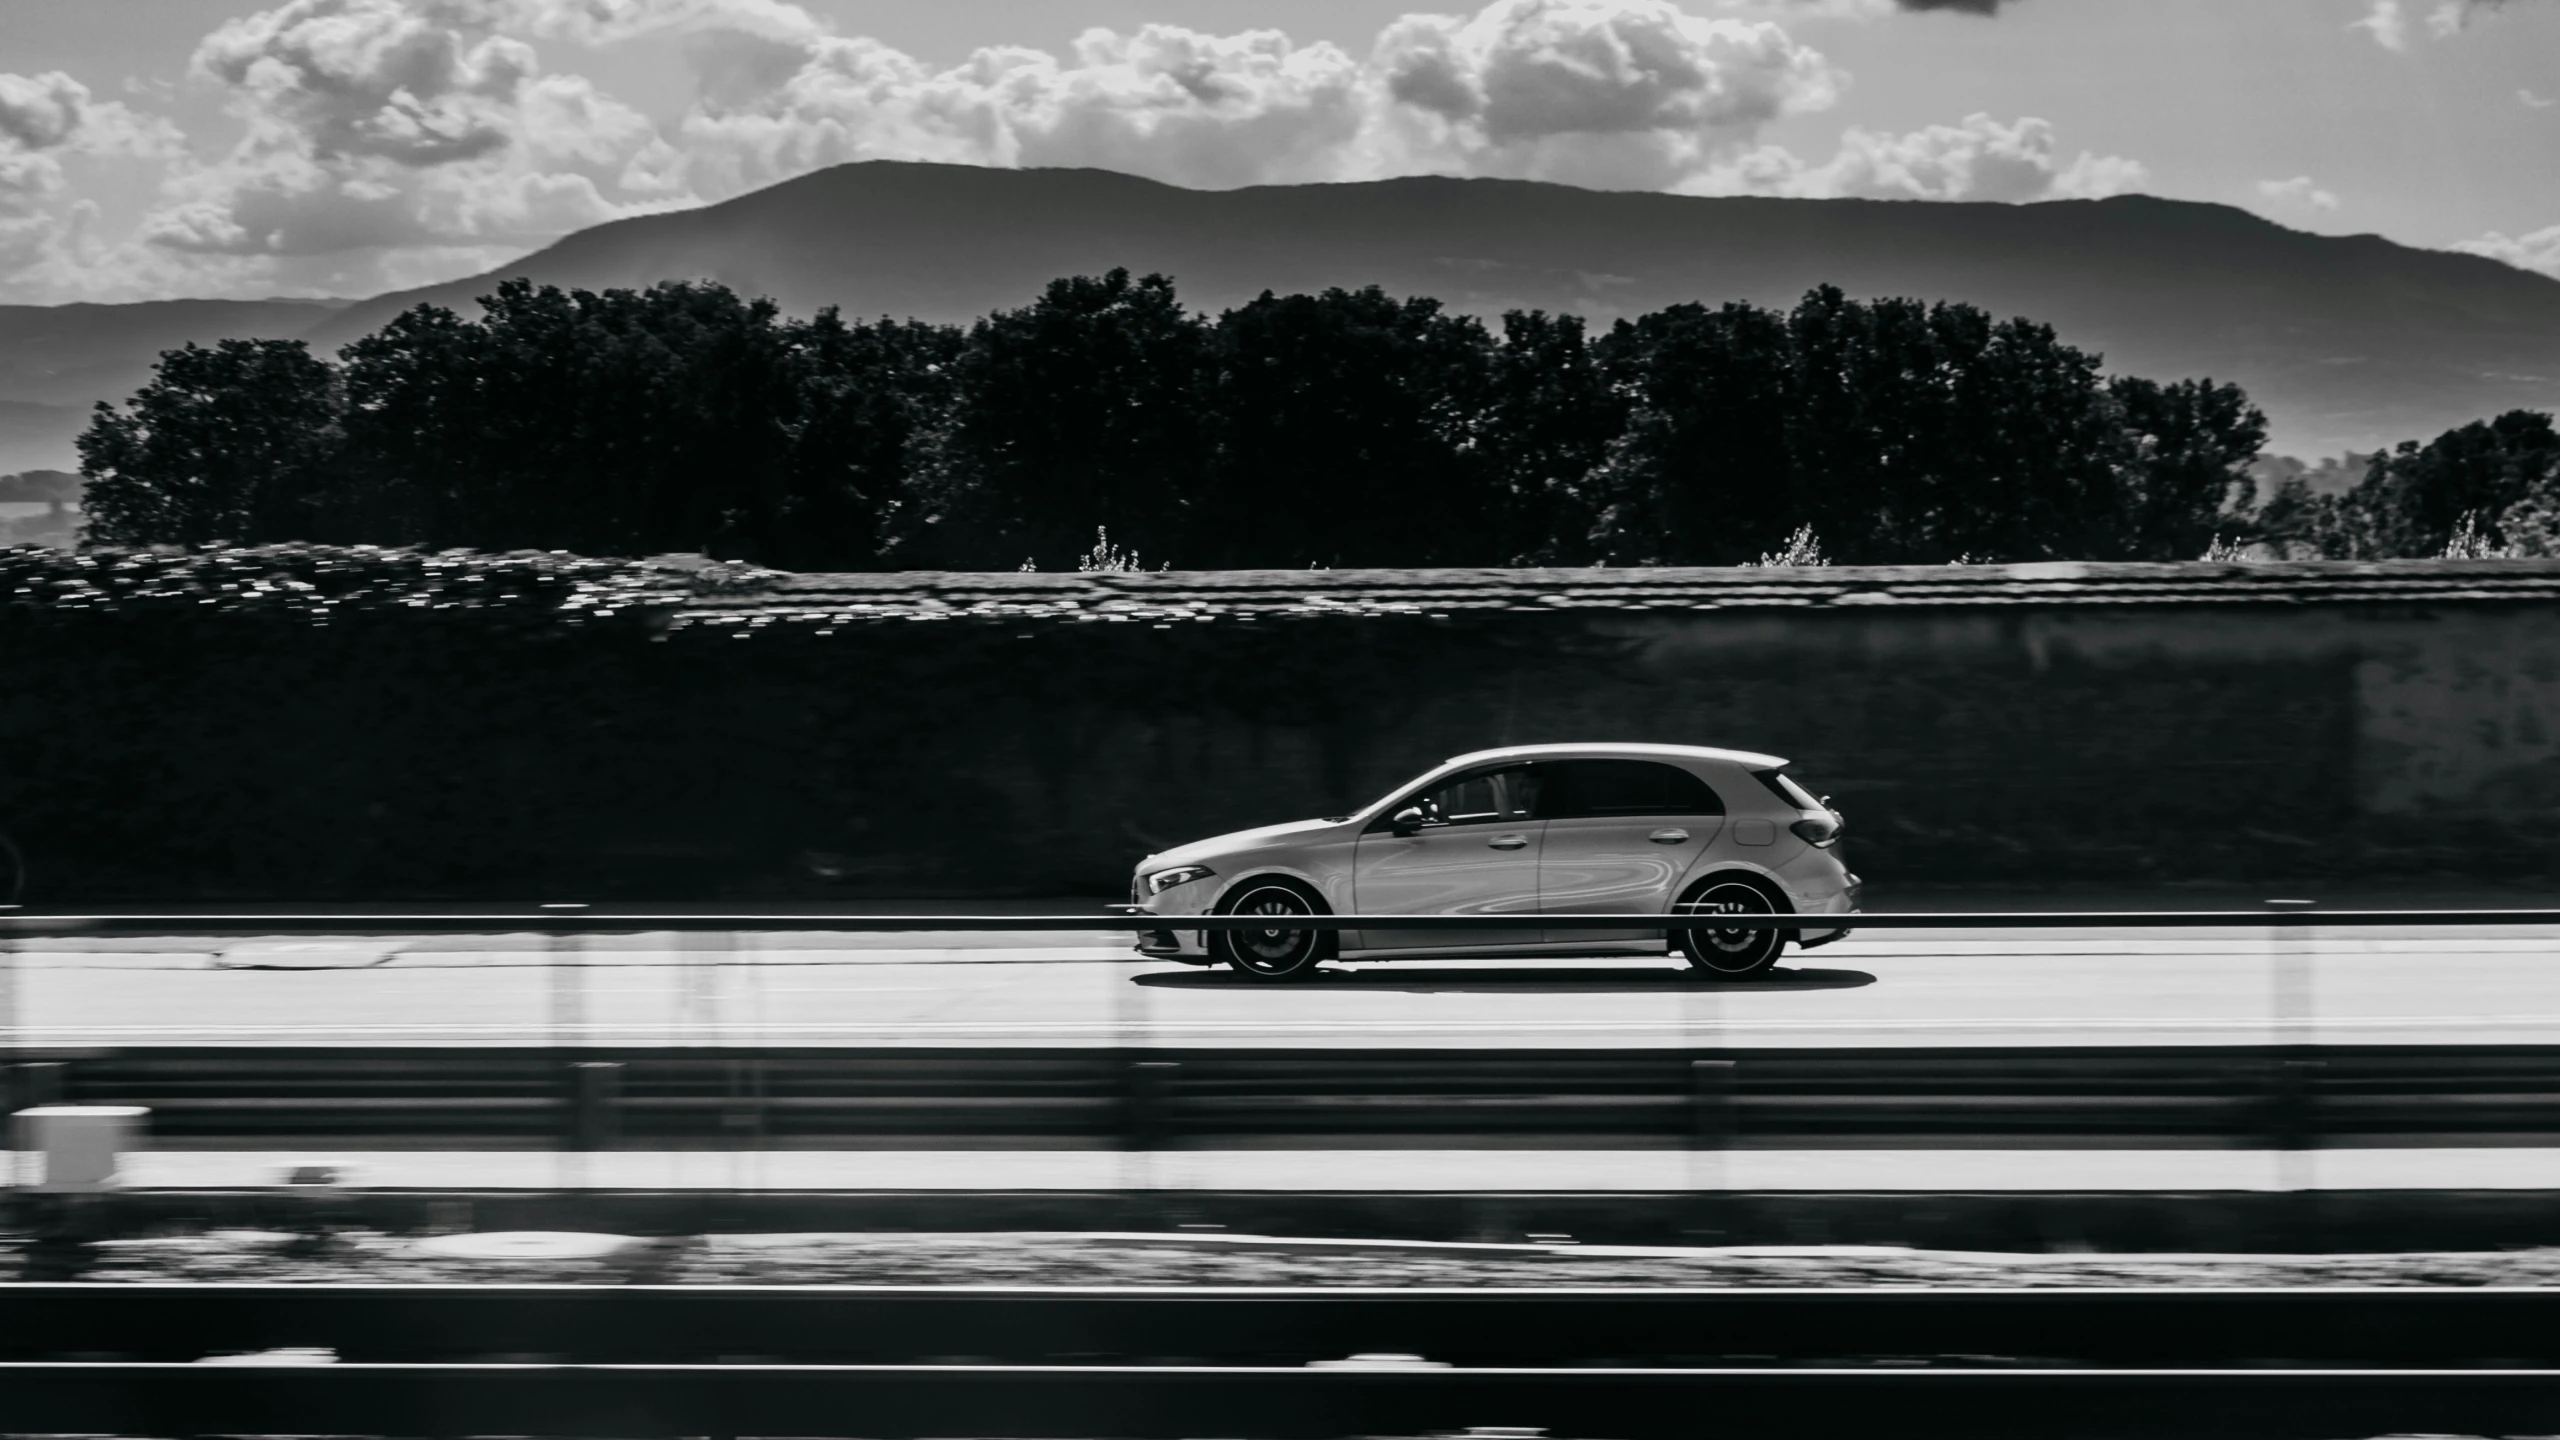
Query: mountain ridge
2349, 342
58, 360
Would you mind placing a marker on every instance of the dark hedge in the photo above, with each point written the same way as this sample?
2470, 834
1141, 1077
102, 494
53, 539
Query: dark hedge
370, 725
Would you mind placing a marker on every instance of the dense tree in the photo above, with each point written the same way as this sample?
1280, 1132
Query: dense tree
2190, 446
1549, 421
1702, 473
2489, 487
867, 394
232, 443
1900, 432
627, 422
1077, 411
1345, 428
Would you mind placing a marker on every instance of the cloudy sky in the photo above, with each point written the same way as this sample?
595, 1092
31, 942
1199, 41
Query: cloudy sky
153, 148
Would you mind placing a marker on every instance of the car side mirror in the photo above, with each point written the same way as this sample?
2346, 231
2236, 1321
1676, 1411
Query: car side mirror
1407, 820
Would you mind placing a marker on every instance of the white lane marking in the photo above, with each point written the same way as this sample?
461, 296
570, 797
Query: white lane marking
1919, 1171
65, 1034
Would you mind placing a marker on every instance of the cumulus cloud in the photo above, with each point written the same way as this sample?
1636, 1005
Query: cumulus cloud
1611, 93
379, 125
1979, 159
50, 124
53, 112
2388, 21
2298, 193
1164, 102
2538, 250
397, 142
1633, 94
1872, 9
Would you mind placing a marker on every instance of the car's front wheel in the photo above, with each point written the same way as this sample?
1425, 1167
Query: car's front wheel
1280, 952
1731, 953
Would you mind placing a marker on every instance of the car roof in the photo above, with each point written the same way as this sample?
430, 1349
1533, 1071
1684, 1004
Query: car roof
1748, 759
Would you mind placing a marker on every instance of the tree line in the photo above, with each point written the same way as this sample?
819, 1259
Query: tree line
1348, 428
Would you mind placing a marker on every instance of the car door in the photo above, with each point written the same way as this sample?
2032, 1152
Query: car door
1619, 835
1474, 852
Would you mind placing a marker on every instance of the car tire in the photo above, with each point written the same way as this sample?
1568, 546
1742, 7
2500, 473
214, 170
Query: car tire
1277, 953
1735, 954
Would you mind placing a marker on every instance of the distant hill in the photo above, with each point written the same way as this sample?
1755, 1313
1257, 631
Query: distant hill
37, 437
58, 360
2350, 343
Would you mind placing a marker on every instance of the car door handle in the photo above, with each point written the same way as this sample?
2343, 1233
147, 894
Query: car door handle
1668, 837
1509, 842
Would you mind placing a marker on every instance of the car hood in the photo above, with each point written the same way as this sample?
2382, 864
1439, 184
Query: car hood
1208, 851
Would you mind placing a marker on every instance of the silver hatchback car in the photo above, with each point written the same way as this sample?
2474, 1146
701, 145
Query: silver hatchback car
1528, 831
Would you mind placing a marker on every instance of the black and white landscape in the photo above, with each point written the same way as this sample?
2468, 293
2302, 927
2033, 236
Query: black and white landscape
1154, 718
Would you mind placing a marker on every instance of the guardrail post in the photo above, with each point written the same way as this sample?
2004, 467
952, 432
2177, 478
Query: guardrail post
1147, 1121
8, 990
1711, 1113
1712, 1123
9, 1029
33, 1084
568, 979
595, 1093
698, 995
2289, 965
743, 1115
2292, 1098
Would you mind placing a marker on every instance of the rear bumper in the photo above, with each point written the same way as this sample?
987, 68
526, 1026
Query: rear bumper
1844, 901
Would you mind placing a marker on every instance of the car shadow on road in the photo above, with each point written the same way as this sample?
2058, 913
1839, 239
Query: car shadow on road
1516, 980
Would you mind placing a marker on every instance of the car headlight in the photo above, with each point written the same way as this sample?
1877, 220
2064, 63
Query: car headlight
1164, 880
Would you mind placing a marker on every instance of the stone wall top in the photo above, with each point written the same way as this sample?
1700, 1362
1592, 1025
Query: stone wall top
1182, 595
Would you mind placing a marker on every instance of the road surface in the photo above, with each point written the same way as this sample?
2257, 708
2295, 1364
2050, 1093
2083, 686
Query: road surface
1918, 988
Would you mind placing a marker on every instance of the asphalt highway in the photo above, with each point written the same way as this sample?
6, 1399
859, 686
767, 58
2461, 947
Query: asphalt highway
1920, 988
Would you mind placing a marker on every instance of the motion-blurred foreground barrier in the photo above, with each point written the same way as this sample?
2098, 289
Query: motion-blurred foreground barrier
1179, 1400
1285, 1325
1145, 1095
1164, 1097
820, 1361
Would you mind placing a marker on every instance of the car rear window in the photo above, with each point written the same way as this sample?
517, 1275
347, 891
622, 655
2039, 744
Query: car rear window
1577, 789
1784, 786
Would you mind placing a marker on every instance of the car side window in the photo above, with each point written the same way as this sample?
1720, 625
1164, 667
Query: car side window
1582, 789
1479, 797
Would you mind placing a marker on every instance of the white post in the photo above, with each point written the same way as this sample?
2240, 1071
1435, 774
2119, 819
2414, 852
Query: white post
80, 1148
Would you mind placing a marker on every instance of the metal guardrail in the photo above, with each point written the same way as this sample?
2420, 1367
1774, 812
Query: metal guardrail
1273, 1361
2405, 1326
1037, 1097
1173, 1401
587, 920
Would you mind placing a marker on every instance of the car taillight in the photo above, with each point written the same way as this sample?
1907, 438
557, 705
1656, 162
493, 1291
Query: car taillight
1818, 830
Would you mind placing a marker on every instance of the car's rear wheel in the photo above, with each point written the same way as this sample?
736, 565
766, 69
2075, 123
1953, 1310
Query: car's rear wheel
1280, 952
1732, 953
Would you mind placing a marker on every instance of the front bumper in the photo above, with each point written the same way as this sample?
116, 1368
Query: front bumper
1189, 946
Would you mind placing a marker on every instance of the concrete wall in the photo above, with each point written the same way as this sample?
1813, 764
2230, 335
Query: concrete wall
913, 735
